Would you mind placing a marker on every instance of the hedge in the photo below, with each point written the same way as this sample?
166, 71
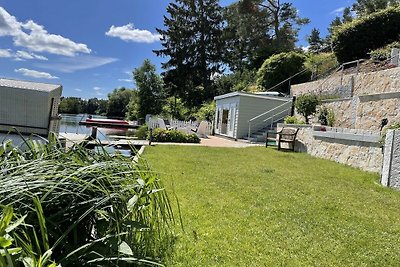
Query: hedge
356, 39
173, 136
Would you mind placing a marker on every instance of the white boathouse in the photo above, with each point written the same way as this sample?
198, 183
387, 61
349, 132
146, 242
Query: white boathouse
29, 107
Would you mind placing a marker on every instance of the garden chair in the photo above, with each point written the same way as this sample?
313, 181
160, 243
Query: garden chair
201, 130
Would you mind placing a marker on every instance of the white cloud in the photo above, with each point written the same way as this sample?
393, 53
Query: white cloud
129, 33
35, 74
96, 88
26, 55
20, 55
125, 80
81, 62
78, 90
8, 24
338, 11
6, 53
35, 38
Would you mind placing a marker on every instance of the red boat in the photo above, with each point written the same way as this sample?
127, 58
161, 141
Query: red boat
106, 121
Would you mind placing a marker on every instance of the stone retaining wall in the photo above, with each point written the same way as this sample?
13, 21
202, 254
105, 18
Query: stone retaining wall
357, 148
370, 97
391, 163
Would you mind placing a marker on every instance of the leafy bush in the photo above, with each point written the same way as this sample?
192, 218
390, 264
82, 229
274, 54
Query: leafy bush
356, 39
306, 105
320, 64
206, 112
82, 208
175, 108
280, 67
326, 116
142, 132
384, 53
173, 136
292, 120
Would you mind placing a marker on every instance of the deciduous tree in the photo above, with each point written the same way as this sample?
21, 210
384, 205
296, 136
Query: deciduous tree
149, 90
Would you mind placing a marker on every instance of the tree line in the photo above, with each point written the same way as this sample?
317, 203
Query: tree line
210, 50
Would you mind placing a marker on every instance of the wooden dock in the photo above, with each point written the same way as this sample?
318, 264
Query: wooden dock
110, 125
120, 144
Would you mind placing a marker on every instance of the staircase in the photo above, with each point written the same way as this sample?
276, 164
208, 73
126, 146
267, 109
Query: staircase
266, 122
260, 135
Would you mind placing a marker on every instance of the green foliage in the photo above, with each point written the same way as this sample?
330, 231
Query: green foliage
82, 208
175, 108
320, 64
206, 112
306, 105
366, 7
280, 67
72, 105
118, 102
192, 63
258, 29
96, 106
234, 82
384, 53
356, 39
247, 45
315, 41
297, 209
292, 120
173, 136
77, 105
142, 132
326, 116
150, 91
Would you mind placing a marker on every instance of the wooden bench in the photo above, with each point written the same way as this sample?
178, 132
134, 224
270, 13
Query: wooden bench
286, 135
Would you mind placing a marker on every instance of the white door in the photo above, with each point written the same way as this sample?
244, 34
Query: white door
231, 120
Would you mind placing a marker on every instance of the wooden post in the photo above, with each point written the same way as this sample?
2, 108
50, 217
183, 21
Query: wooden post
292, 110
151, 136
93, 135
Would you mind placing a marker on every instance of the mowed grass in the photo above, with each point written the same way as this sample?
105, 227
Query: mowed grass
262, 207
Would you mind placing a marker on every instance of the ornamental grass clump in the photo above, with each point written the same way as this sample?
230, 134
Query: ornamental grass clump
83, 208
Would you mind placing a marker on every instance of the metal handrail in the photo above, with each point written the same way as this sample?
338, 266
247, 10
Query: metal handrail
258, 116
265, 113
288, 79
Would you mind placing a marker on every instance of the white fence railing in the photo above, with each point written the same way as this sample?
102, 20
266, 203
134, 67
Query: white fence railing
185, 126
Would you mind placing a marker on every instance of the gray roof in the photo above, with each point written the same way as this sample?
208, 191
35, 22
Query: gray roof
46, 87
249, 95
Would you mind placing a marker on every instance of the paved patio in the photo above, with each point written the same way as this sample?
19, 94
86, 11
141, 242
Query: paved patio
217, 141
211, 141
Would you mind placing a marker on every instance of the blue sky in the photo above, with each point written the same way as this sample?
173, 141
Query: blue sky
92, 46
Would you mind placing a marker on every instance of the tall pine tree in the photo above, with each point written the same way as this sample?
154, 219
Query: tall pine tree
192, 41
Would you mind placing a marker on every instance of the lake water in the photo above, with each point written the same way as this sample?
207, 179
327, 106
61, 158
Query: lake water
70, 124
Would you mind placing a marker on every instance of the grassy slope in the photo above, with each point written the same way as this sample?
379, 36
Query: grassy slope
261, 207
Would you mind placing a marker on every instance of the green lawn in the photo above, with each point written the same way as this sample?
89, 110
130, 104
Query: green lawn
262, 207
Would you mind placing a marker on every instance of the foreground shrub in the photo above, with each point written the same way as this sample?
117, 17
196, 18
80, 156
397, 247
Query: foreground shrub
173, 136
292, 120
83, 208
280, 67
356, 39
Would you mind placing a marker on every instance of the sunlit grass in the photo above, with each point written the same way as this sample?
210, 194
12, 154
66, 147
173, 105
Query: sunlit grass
261, 207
